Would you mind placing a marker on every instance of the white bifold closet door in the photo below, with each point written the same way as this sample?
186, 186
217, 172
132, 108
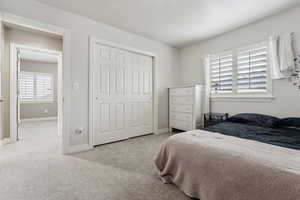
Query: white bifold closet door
122, 91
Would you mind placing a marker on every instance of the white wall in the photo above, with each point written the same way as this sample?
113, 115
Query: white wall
81, 28
287, 97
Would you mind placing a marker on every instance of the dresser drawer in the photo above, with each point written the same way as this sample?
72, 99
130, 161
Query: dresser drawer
181, 91
181, 108
181, 100
181, 116
181, 125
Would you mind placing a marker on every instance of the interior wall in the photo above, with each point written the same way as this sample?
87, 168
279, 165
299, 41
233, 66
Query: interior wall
40, 110
81, 29
2, 46
286, 102
23, 37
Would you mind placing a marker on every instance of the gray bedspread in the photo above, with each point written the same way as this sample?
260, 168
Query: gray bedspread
284, 137
213, 166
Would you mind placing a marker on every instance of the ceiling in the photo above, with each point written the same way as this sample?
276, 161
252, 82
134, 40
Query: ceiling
37, 56
175, 22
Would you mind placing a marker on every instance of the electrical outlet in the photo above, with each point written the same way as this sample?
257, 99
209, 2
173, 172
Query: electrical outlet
78, 131
75, 86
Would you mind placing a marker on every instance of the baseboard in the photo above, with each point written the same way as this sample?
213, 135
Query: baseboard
161, 131
5, 141
79, 148
38, 119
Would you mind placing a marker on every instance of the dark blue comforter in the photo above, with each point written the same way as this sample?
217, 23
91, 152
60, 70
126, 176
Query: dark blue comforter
289, 138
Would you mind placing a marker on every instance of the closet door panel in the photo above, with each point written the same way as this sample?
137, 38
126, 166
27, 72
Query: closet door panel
109, 95
122, 90
140, 95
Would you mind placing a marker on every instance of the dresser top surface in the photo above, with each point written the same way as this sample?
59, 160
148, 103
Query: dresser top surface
187, 86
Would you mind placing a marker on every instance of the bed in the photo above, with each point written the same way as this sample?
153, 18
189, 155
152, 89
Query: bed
284, 137
249, 157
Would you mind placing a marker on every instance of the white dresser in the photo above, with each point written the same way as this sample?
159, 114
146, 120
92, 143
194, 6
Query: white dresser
186, 107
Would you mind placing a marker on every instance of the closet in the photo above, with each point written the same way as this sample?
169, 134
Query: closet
122, 97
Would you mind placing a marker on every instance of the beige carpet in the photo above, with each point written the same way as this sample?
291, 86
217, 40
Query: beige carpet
35, 170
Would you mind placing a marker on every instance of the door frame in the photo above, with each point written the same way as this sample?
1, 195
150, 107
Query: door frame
14, 113
92, 42
8, 18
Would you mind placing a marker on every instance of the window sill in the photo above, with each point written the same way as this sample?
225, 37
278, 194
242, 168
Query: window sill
266, 98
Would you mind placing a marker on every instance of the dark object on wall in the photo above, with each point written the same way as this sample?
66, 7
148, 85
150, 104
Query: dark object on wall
295, 76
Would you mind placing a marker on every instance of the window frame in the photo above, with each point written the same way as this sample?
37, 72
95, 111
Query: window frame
245, 96
35, 99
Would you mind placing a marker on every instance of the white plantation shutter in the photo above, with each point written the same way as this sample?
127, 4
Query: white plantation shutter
35, 86
241, 72
252, 69
221, 73
44, 87
26, 86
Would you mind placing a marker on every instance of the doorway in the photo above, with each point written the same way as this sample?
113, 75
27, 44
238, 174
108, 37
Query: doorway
36, 85
37, 38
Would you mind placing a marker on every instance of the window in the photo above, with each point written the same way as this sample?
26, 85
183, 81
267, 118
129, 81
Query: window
221, 73
240, 72
252, 69
35, 87
26, 86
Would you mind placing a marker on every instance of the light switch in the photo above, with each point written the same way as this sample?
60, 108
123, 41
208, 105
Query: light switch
75, 86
